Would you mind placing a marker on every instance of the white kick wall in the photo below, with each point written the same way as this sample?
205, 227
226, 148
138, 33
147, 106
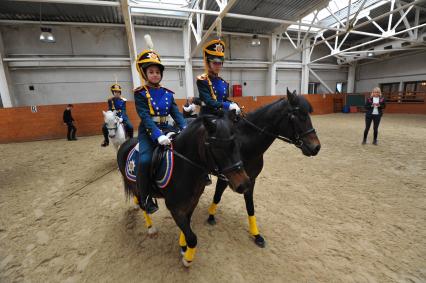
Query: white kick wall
396, 70
79, 77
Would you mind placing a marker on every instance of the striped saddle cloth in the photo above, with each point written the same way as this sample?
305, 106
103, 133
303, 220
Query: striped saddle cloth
161, 166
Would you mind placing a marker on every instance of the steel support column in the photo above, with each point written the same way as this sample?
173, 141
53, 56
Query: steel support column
130, 31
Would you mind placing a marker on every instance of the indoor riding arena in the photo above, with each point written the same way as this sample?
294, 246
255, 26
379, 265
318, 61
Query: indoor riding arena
329, 94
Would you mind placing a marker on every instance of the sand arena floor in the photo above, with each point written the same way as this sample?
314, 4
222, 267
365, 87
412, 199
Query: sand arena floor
352, 214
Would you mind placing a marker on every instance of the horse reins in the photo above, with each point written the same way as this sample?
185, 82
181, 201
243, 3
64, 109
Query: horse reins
216, 170
298, 138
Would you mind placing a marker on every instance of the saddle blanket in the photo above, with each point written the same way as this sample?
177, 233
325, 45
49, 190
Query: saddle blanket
163, 172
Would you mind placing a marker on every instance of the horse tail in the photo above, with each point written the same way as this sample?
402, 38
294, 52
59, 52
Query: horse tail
123, 152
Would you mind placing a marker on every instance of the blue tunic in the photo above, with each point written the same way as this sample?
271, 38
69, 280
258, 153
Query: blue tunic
214, 92
118, 104
156, 103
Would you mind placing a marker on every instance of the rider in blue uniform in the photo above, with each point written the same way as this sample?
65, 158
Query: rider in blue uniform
153, 104
117, 103
212, 89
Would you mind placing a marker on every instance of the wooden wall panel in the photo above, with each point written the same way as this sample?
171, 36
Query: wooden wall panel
20, 124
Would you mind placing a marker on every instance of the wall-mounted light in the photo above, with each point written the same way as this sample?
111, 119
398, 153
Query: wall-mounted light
255, 41
370, 54
46, 35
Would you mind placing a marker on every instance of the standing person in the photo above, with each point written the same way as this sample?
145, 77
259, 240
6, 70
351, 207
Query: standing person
117, 103
374, 106
69, 121
213, 90
153, 103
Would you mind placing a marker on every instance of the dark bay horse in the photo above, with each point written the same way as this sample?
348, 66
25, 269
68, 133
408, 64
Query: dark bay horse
207, 145
285, 119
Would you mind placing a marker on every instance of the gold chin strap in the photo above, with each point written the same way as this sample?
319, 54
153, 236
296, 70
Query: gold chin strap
148, 96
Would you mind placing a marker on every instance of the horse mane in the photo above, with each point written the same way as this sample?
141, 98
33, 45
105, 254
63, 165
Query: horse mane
271, 107
303, 103
109, 115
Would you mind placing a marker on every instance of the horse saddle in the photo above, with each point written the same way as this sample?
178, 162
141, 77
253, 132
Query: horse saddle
161, 165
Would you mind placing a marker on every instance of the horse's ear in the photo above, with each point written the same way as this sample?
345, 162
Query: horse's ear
209, 124
292, 97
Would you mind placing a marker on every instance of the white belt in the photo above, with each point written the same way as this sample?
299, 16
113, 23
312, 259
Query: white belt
159, 119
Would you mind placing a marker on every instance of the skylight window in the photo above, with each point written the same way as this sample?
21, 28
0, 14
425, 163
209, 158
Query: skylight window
163, 8
334, 7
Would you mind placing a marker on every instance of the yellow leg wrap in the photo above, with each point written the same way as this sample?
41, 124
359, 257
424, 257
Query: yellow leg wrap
148, 220
212, 209
135, 200
253, 226
182, 241
189, 254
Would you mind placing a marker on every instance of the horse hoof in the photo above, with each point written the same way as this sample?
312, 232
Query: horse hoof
152, 231
186, 263
211, 220
259, 241
182, 250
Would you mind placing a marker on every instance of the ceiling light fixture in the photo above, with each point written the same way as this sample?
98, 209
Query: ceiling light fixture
255, 41
46, 34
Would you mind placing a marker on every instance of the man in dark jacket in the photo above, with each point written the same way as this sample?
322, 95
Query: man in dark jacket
69, 121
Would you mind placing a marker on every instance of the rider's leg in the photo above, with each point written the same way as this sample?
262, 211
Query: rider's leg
129, 128
105, 133
143, 179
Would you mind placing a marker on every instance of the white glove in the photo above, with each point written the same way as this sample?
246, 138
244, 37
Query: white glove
120, 120
170, 134
235, 107
164, 140
189, 108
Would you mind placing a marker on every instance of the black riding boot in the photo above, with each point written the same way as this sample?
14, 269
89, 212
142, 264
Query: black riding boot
130, 133
146, 202
106, 138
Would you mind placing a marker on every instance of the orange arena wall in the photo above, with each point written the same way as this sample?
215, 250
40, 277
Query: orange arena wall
21, 124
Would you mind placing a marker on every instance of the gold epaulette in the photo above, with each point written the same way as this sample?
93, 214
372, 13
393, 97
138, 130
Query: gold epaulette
138, 88
202, 77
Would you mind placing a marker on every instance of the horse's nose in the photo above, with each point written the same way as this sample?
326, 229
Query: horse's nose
316, 150
243, 188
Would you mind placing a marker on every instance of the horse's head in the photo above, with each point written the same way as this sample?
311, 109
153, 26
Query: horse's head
222, 150
299, 127
111, 120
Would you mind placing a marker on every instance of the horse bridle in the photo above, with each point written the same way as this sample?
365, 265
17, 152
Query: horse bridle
212, 167
297, 139
117, 121
221, 143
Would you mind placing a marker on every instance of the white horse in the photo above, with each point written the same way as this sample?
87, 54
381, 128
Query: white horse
116, 131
